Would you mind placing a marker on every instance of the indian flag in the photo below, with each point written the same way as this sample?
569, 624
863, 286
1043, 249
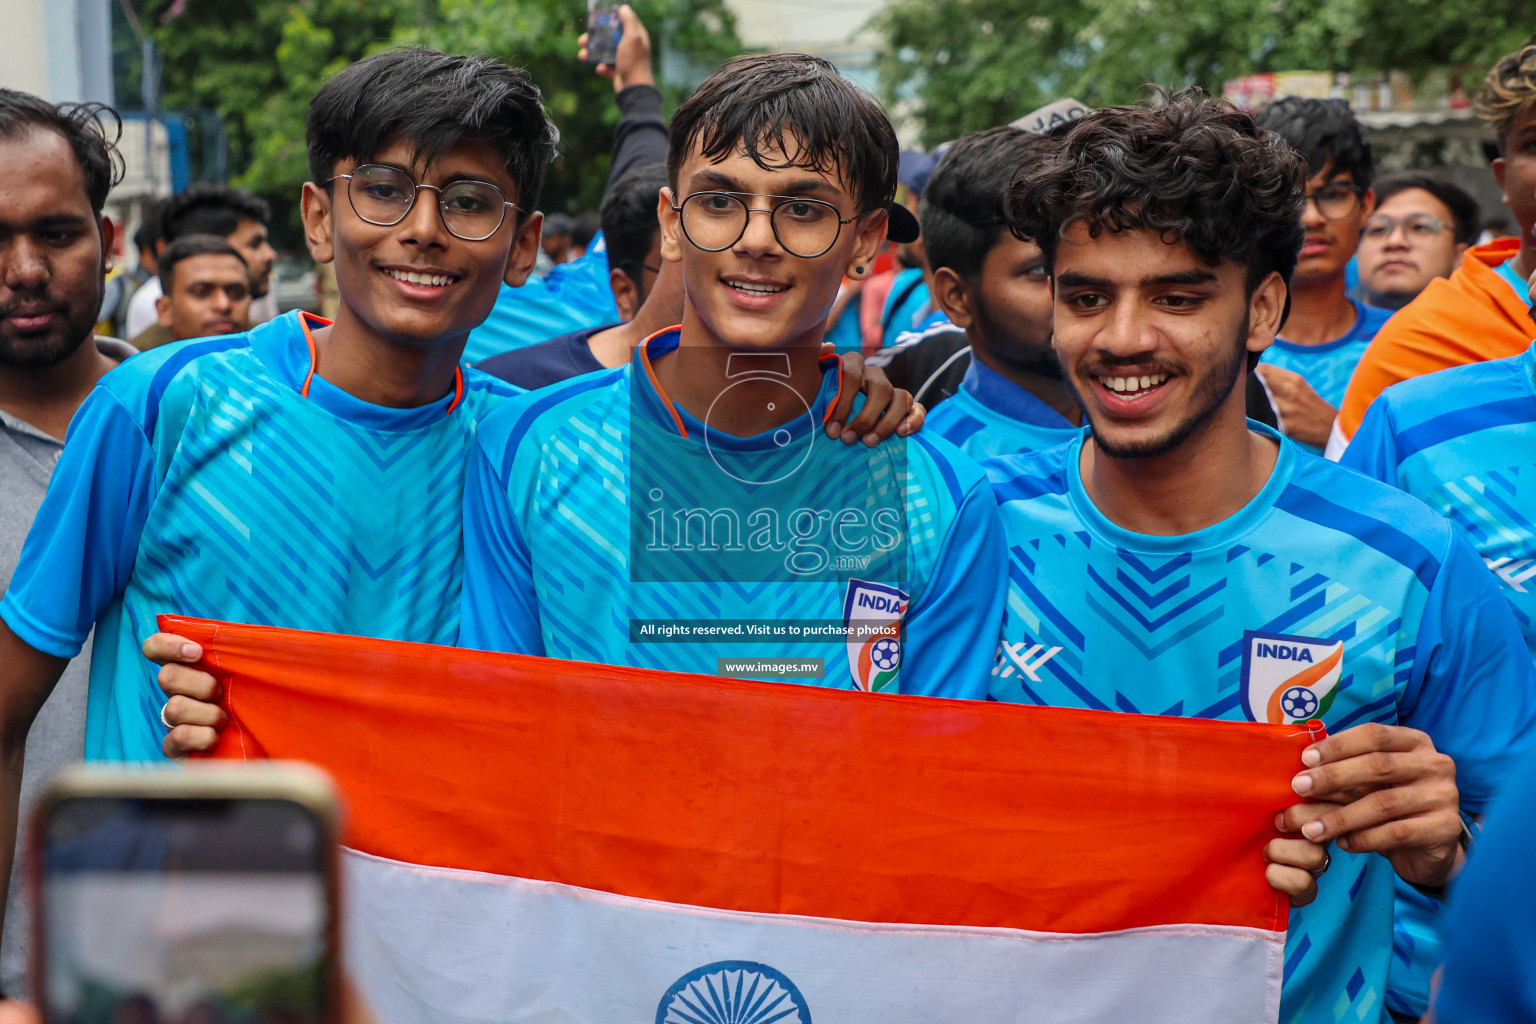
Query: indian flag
537, 840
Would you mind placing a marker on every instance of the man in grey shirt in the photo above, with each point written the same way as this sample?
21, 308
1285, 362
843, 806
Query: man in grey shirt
56, 168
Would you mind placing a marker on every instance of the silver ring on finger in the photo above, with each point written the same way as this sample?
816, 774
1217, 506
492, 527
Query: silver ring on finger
169, 725
1322, 868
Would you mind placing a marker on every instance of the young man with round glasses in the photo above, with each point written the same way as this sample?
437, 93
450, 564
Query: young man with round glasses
688, 510
1420, 230
1306, 371
303, 473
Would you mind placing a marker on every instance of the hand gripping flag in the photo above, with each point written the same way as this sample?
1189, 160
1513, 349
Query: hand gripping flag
537, 840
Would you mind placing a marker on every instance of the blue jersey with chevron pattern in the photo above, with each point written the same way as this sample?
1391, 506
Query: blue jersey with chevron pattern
1327, 596
1464, 441
991, 415
597, 505
197, 480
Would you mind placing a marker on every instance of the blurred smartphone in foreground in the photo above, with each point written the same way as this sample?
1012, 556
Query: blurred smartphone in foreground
204, 896
604, 30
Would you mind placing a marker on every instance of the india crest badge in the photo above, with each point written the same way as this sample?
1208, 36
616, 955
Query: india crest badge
872, 614
1289, 679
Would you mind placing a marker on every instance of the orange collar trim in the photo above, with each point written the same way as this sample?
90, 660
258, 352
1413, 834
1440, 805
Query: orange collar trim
666, 400
650, 372
826, 417
305, 319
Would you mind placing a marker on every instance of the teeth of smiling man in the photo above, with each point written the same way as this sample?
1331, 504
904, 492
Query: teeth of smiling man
1134, 384
757, 289
411, 277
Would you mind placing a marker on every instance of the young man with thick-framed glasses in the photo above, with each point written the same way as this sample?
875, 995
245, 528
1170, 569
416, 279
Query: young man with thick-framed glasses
303, 473
1306, 371
687, 512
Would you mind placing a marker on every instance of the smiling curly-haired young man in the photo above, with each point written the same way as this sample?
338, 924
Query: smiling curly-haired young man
1179, 560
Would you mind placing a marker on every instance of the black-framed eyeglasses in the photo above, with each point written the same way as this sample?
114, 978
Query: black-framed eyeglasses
715, 221
1417, 227
381, 194
1336, 201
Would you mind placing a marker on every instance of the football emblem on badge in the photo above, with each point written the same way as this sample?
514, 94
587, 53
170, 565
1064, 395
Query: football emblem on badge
1298, 702
886, 654
1289, 679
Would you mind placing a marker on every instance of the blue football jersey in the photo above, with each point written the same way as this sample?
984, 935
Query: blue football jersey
991, 415
1519, 284
1328, 367
572, 297
604, 523
221, 478
1327, 596
1490, 923
1464, 441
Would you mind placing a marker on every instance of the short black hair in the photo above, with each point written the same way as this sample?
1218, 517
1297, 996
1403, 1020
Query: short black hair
799, 105
962, 212
432, 101
84, 127
1465, 212
1325, 133
629, 217
1192, 168
186, 247
204, 208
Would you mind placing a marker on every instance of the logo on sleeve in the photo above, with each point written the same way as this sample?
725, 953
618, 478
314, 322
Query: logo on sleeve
1022, 658
1289, 679
872, 615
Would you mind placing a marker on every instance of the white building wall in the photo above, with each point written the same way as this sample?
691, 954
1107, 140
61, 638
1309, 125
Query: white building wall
60, 50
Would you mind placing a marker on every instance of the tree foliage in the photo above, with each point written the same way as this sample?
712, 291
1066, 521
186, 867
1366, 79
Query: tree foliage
969, 64
258, 63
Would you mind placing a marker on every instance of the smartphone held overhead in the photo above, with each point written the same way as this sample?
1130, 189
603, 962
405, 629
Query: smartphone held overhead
604, 30
200, 895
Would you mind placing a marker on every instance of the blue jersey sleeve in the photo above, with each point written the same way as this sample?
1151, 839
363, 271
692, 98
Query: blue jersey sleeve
81, 548
1373, 449
500, 608
1476, 691
952, 630
1490, 926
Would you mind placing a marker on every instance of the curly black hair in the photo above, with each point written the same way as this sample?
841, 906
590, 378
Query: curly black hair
1192, 168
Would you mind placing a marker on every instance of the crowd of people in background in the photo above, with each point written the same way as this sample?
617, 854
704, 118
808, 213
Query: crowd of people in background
1135, 385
